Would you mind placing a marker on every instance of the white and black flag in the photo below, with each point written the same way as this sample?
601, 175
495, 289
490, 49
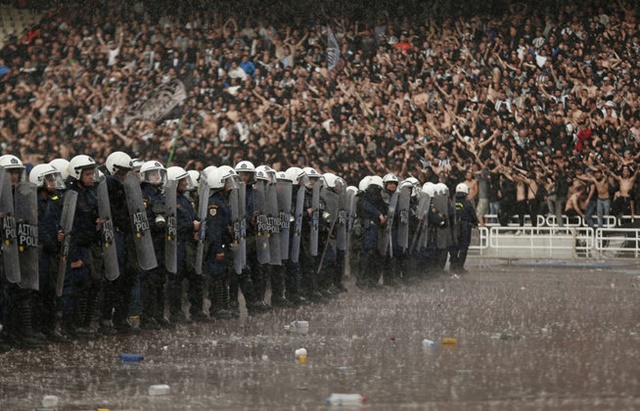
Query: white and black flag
158, 104
333, 50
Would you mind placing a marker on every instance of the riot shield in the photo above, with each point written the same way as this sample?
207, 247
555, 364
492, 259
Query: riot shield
315, 217
236, 206
284, 191
404, 199
297, 225
262, 221
419, 240
273, 212
351, 216
203, 206
341, 224
111, 267
384, 239
330, 203
171, 234
10, 253
66, 225
242, 199
26, 208
443, 236
139, 223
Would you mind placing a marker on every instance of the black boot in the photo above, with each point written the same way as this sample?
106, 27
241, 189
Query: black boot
79, 328
25, 336
278, 298
220, 300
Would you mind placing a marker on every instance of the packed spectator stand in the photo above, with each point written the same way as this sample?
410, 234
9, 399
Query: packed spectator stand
534, 102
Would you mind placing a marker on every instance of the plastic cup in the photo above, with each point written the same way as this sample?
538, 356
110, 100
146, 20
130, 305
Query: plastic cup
301, 355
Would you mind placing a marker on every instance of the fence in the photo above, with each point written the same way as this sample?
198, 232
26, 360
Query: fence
618, 238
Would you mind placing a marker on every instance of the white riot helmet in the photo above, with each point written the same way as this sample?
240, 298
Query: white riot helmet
390, 178
82, 162
442, 189
154, 173
364, 183
297, 175
62, 166
262, 175
312, 174
195, 178
11, 162
176, 173
429, 189
248, 168
462, 188
375, 181
354, 189
270, 172
408, 184
119, 161
333, 181
415, 183
218, 178
208, 170
282, 176
46, 173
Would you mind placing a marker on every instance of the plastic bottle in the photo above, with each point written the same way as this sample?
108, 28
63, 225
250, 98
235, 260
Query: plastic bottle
428, 344
345, 399
159, 389
131, 357
50, 401
298, 327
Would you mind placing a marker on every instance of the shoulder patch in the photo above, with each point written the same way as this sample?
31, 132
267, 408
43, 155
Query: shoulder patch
213, 210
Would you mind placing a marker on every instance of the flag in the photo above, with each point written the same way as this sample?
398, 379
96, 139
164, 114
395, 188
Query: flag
333, 50
158, 104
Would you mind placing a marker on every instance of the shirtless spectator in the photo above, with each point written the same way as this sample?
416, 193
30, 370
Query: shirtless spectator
601, 183
623, 200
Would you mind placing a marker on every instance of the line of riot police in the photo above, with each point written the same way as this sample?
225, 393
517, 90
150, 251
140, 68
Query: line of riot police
86, 248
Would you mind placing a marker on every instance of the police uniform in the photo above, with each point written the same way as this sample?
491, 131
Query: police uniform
80, 288
117, 297
153, 281
217, 263
465, 220
370, 207
45, 302
185, 216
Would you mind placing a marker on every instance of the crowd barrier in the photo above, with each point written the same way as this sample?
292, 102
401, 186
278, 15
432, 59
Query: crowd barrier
618, 238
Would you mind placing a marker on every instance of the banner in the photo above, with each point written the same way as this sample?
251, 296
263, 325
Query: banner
158, 103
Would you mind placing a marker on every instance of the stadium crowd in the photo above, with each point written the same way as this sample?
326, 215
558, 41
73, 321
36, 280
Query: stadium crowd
535, 108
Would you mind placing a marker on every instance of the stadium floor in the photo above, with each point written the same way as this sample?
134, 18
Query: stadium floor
528, 337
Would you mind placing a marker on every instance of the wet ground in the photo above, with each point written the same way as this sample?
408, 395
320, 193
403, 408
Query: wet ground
527, 338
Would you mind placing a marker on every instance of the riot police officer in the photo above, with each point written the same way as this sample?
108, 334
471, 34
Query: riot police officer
153, 178
80, 287
17, 300
49, 182
117, 296
293, 273
187, 226
465, 220
372, 211
253, 277
390, 269
218, 238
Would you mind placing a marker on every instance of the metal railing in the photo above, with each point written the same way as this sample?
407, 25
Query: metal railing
574, 240
617, 242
